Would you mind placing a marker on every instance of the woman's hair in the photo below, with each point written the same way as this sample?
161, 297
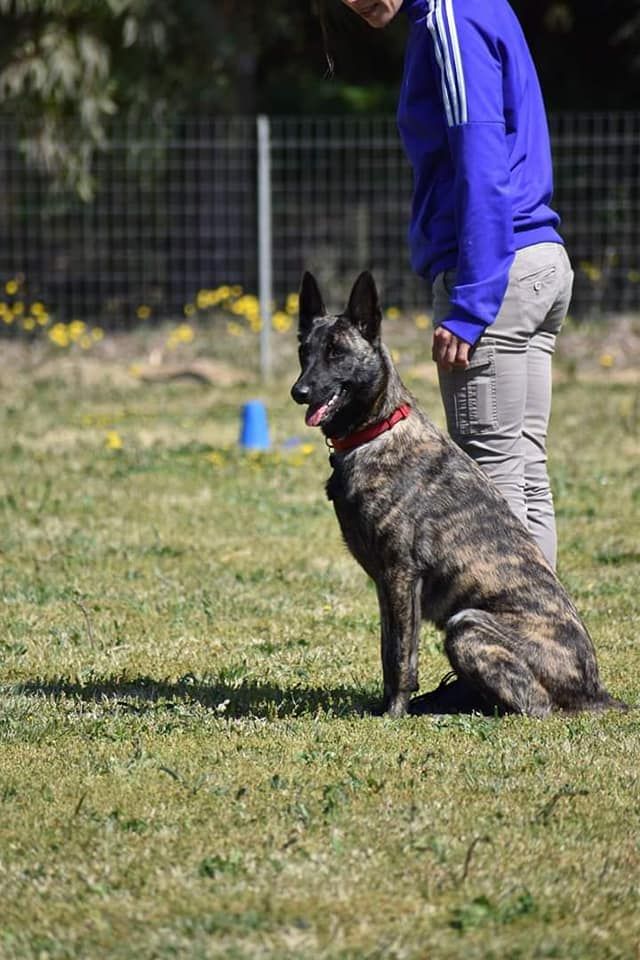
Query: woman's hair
320, 10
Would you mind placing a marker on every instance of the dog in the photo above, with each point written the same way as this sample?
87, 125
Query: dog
435, 535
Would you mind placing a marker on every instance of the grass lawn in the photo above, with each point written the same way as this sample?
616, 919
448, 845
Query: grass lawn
187, 658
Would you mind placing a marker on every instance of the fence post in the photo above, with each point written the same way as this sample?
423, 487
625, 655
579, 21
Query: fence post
265, 251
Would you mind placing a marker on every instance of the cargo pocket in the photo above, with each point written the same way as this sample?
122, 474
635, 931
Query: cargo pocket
469, 395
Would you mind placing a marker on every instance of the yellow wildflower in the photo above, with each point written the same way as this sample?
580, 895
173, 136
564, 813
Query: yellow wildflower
28, 323
76, 328
85, 341
215, 458
395, 356
11, 286
7, 317
211, 298
135, 369
37, 308
422, 321
607, 360
143, 312
234, 328
247, 306
189, 309
59, 335
184, 333
98, 334
113, 440
42, 319
292, 304
255, 323
392, 313
591, 270
205, 298
307, 448
281, 321
18, 308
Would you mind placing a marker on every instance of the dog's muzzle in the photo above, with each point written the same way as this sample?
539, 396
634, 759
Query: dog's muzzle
300, 392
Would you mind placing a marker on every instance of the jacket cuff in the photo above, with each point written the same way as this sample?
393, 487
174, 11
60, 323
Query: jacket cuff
464, 326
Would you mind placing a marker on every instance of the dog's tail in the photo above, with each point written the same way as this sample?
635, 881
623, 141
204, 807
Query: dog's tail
612, 703
599, 703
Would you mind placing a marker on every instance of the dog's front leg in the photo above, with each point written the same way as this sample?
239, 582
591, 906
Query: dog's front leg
399, 599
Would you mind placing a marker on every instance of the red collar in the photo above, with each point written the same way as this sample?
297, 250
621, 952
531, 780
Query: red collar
369, 433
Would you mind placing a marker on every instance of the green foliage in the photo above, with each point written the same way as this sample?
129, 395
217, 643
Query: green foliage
67, 68
56, 74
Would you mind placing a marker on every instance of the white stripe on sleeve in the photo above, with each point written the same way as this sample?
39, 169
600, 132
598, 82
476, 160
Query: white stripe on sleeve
443, 78
462, 90
454, 94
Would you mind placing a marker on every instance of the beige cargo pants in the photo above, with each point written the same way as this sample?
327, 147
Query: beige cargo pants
498, 409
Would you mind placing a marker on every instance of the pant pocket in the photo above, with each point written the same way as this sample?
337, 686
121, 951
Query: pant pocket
540, 276
540, 286
469, 396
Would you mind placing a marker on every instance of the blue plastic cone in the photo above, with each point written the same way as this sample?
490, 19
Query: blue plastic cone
254, 429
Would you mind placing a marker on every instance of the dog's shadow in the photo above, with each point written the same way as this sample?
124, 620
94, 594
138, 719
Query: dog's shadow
247, 698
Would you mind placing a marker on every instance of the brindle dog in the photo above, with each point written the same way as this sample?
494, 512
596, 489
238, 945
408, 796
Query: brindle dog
435, 535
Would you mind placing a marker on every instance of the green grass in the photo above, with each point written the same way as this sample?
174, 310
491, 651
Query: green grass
188, 654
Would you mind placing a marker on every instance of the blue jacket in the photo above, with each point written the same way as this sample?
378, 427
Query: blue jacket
473, 124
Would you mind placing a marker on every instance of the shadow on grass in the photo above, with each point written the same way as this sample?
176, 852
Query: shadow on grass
246, 698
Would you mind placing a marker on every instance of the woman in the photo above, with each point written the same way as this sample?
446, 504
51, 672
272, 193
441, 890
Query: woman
473, 124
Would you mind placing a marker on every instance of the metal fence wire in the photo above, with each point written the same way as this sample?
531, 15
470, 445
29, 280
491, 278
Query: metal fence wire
175, 214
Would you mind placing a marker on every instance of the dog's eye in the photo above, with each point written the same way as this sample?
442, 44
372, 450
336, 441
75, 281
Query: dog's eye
335, 349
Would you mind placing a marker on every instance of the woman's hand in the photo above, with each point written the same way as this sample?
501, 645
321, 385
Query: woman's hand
377, 13
449, 351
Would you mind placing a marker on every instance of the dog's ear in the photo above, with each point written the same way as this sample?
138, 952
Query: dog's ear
310, 304
363, 308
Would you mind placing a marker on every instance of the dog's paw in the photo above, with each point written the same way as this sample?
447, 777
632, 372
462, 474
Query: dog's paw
452, 695
397, 705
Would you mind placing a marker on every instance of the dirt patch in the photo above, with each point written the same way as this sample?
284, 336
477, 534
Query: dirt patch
211, 372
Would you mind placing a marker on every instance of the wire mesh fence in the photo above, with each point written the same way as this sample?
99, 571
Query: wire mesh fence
175, 214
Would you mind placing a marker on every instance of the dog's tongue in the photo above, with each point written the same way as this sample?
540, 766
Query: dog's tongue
315, 414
